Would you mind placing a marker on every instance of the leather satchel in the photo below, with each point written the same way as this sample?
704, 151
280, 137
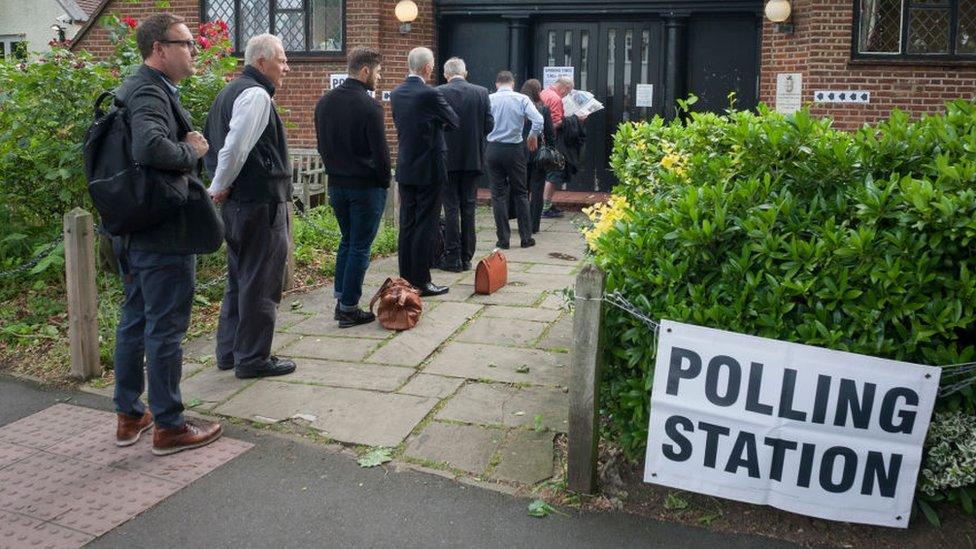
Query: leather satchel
491, 274
399, 304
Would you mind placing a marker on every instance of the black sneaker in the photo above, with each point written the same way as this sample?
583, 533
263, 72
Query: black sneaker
355, 318
273, 367
450, 266
528, 243
335, 315
502, 245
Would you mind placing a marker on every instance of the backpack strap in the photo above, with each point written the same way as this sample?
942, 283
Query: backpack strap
99, 111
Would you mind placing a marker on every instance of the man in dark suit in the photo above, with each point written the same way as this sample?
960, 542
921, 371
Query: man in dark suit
465, 163
158, 264
420, 114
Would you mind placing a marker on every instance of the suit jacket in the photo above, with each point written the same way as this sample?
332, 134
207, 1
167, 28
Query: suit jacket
466, 145
421, 114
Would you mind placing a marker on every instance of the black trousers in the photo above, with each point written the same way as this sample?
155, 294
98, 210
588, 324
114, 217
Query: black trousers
506, 173
537, 185
257, 247
419, 213
459, 196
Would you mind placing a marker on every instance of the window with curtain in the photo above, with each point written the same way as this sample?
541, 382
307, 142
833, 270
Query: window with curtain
915, 29
304, 26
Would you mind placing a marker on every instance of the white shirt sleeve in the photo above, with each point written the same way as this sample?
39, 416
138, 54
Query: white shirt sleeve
249, 117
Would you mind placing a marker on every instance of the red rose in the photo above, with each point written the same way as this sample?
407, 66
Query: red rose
204, 43
130, 22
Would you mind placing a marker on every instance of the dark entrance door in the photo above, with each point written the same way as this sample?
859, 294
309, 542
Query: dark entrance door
611, 59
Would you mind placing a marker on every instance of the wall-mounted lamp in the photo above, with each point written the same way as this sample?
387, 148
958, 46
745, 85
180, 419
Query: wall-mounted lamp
778, 11
406, 12
60, 32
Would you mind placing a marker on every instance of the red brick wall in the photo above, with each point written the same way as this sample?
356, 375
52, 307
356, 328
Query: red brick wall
821, 50
369, 23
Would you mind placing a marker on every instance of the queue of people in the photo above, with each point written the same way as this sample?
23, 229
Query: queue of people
448, 137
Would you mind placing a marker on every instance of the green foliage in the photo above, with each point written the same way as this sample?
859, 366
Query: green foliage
375, 457
539, 509
782, 227
317, 239
949, 468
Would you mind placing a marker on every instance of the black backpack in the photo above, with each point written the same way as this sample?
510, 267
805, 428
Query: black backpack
125, 200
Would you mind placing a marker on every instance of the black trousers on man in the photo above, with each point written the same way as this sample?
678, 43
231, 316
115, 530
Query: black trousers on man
420, 207
460, 196
537, 185
257, 247
506, 173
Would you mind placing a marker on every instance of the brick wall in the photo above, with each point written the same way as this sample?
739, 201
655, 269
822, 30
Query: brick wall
820, 49
369, 23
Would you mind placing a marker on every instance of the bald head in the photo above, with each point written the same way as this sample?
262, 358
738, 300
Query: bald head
420, 61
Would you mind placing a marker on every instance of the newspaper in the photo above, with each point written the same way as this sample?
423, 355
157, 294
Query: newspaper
580, 103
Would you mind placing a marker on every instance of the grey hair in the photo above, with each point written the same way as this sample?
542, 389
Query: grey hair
565, 81
455, 67
418, 58
261, 46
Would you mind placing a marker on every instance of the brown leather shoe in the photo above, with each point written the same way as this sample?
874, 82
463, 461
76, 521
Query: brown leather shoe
131, 428
193, 434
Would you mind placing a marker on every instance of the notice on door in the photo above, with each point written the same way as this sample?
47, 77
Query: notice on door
789, 92
645, 95
550, 74
814, 431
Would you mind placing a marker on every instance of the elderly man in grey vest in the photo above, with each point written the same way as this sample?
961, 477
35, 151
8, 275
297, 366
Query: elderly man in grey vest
248, 159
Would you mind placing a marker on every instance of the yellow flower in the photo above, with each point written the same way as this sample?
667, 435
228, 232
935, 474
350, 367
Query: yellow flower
604, 216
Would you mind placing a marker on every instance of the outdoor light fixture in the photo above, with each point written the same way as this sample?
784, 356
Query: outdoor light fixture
778, 11
59, 30
406, 12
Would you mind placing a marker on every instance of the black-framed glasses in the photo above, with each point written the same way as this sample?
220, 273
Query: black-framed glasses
190, 44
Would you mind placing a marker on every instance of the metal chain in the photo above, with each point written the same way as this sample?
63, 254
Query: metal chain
38, 257
212, 283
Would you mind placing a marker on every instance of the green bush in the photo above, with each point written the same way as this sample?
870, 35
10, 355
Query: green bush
782, 227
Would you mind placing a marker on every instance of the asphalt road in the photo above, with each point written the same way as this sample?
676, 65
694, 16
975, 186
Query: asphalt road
287, 492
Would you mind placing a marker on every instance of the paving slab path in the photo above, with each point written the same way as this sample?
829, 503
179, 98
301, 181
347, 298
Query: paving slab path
478, 388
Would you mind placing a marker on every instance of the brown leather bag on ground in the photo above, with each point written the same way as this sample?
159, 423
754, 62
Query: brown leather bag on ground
399, 304
491, 274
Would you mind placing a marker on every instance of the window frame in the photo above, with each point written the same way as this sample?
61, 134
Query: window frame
903, 56
272, 12
8, 47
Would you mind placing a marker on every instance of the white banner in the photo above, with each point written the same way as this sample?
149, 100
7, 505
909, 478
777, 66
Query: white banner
550, 74
823, 433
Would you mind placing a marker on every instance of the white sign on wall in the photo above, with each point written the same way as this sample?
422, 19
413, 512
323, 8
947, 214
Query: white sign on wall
823, 433
644, 96
336, 80
386, 95
789, 92
550, 74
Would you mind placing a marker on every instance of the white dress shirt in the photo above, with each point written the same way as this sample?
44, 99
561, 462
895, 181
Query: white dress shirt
248, 119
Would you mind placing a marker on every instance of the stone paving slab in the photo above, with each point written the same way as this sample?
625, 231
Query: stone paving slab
532, 282
210, 387
502, 331
465, 447
496, 404
506, 296
411, 347
521, 313
559, 336
553, 301
542, 268
431, 386
349, 374
526, 458
345, 415
325, 324
83, 485
330, 348
506, 364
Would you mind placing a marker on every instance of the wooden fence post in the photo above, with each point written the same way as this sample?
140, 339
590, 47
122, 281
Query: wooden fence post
289, 279
79, 268
391, 215
584, 385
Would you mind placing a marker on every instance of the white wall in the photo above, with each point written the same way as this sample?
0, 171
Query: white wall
34, 19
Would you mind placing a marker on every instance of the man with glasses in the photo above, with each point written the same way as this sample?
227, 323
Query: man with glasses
158, 264
251, 172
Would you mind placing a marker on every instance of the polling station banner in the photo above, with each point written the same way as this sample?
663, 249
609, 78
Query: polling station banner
823, 433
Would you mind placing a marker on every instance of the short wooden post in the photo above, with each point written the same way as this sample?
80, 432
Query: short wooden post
391, 215
289, 279
584, 384
79, 268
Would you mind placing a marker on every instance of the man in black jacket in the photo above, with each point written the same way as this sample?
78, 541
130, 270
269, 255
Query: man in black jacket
158, 265
465, 163
421, 114
252, 175
350, 129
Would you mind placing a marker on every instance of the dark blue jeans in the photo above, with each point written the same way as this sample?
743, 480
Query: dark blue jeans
358, 211
155, 317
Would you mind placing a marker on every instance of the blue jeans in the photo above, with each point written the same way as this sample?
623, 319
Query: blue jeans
358, 211
155, 316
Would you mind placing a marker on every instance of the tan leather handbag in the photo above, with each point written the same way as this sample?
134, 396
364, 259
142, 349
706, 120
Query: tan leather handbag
399, 304
491, 273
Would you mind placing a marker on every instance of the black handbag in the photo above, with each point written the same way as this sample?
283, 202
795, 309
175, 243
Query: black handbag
548, 158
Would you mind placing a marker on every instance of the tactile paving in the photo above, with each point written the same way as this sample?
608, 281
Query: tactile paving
64, 480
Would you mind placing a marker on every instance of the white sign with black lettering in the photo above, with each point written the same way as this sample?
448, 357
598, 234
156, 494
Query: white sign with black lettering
550, 74
823, 433
644, 96
336, 80
789, 92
